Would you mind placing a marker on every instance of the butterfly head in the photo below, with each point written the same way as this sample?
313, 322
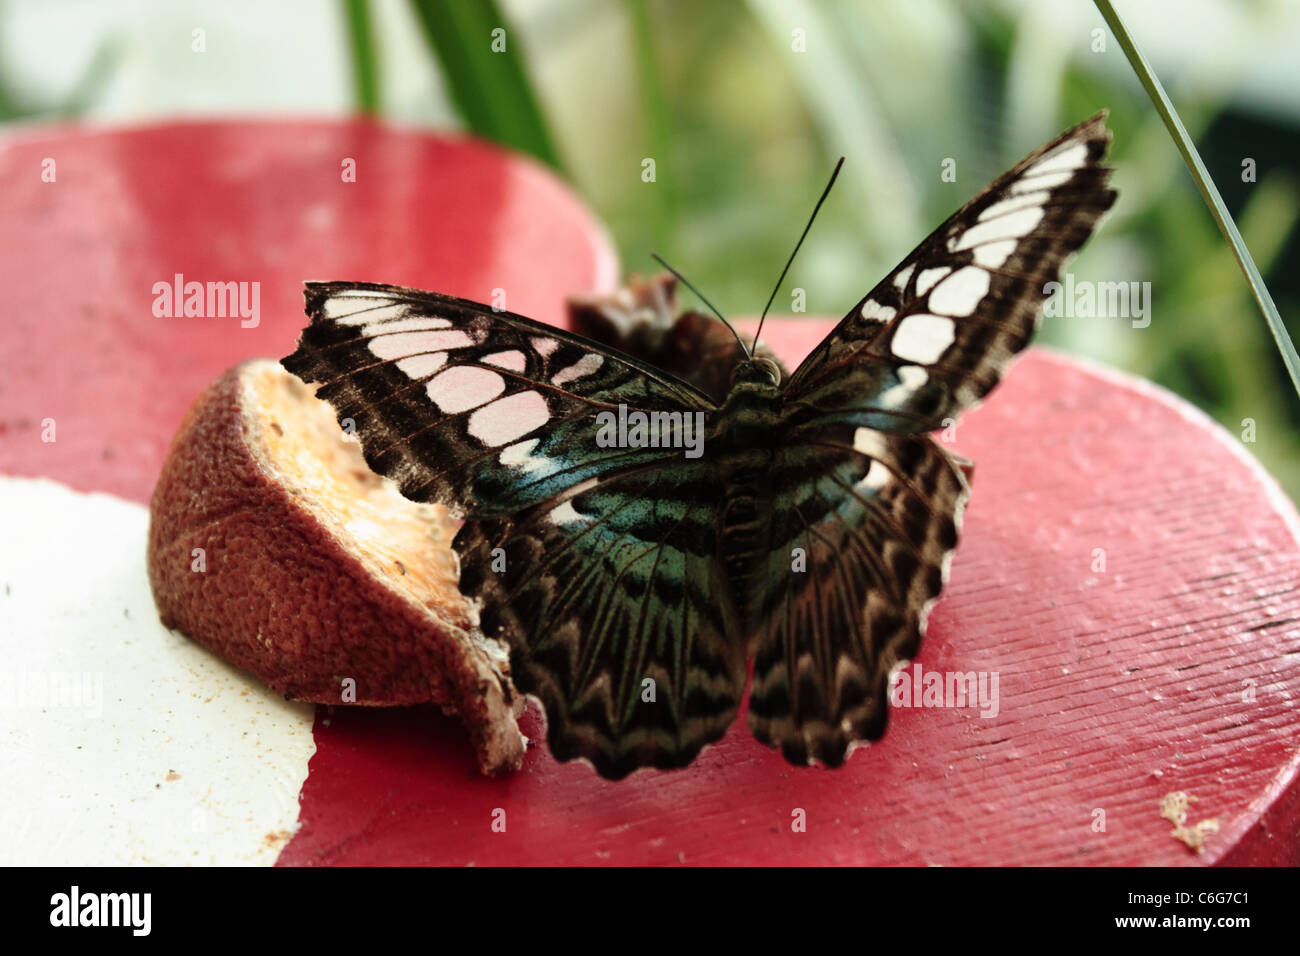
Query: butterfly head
756, 371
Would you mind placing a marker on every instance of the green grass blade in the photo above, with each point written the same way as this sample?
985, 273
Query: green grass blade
663, 202
489, 89
1205, 184
362, 42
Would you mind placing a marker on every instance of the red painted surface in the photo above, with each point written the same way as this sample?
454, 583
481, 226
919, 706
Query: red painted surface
1177, 668
238, 202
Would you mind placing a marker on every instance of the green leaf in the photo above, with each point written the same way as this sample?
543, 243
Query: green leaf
362, 42
483, 64
662, 203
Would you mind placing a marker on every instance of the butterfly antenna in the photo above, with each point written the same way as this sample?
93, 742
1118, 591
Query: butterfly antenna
816, 209
687, 282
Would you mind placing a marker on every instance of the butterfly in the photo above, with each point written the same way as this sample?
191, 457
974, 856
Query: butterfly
632, 580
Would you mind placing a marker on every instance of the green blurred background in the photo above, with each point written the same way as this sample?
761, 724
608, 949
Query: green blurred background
744, 106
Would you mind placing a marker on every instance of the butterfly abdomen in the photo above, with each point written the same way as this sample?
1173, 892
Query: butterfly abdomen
744, 447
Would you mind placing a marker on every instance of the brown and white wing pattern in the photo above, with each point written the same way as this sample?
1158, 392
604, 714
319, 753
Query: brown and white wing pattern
485, 412
864, 524
934, 337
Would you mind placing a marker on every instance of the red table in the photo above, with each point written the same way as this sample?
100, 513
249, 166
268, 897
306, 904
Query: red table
1176, 668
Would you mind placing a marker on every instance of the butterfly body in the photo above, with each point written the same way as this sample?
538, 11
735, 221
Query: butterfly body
633, 580
747, 439
642, 320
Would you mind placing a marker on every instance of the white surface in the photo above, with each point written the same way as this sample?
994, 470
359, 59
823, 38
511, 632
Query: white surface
122, 742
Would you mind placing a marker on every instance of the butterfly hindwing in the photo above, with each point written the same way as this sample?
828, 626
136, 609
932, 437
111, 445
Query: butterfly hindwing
863, 528
933, 338
624, 626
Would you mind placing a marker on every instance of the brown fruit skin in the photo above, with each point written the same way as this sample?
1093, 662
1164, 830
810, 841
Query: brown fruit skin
284, 599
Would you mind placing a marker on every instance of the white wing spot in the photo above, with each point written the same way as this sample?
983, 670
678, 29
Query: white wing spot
1040, 181
961, 293
910, 379
923, 338
566, 514
926, 280
410, 343
422, 366
509, 418
1066, 157
900, 280
545, 346
912, 376
1036, 198
873, 311
463, 387
1011, 226
870, 443
589, 363
419, 324
520, 455
877, 476
363, 309
991, 255
512, 359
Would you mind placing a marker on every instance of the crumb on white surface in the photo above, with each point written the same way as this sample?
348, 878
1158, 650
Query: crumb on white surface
123, 742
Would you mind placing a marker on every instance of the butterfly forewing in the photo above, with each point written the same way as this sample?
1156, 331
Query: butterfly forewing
932, 338
486, 412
